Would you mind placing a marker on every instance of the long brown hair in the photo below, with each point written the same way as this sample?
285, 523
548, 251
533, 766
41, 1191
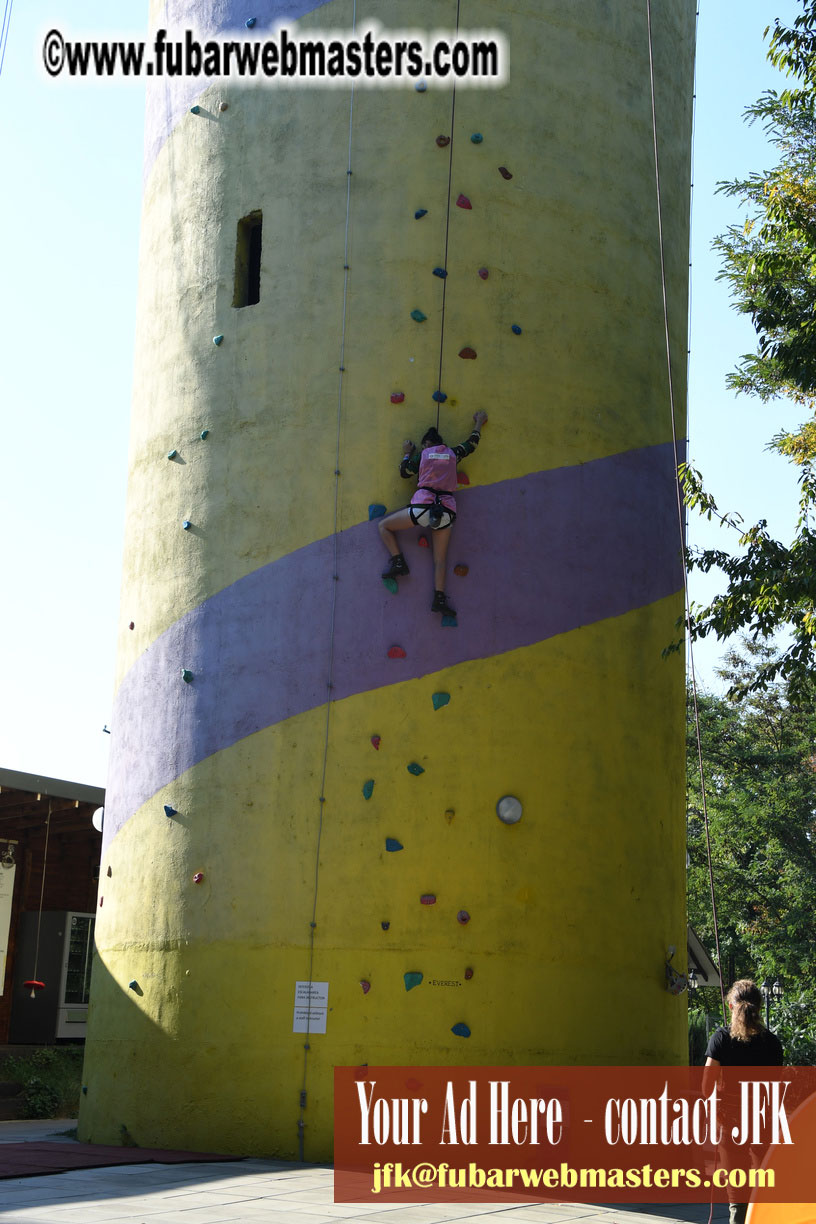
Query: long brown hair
746, 1010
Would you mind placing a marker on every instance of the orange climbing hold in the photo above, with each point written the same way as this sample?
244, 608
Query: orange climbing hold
463, 202
461, 571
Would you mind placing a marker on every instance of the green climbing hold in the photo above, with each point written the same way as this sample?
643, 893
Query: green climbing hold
391, 585
411, 980
418, 316
477, 138
172, 454
368, 788
439, 700
186, 675
449, 622
204, 434
415, 769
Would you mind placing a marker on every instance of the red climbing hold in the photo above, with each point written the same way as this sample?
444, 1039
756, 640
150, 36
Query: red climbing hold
424, 542
366, 986
427, 899
198, 877
461, 571
504, 172
396, 652
398, 397
462, 478
484, 273
468, 974
443, 141
375, 739
463, 202
131, 625
469, 354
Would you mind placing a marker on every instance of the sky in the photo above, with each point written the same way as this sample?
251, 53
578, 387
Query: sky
71, 158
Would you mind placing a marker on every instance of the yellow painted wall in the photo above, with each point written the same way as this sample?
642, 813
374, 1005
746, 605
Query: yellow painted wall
573, 908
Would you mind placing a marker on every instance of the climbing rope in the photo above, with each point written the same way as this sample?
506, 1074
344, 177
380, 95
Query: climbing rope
680, 516
42, 894
333, 607
447, 231
4, 32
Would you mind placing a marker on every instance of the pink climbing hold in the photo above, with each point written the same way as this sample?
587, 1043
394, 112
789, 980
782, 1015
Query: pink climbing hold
504, 172
468, 354
396, 652
484, 273
131, 625
463, 202
462, 478
427, 899
424, 542
365, 985
375, 739
398, 397
443, 141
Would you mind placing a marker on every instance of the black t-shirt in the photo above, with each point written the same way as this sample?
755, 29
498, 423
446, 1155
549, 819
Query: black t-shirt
763, 1049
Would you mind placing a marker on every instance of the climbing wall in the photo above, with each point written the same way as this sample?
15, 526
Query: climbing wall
464, 841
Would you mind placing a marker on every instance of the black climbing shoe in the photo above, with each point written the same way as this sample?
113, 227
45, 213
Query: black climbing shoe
397, 567
440, 604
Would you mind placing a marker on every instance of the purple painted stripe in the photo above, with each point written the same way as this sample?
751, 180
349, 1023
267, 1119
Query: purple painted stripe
168, 98
547, 553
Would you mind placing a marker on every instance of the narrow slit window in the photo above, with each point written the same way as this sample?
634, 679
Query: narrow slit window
248, 260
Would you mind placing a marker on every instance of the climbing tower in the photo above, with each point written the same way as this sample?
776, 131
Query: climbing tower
338, 831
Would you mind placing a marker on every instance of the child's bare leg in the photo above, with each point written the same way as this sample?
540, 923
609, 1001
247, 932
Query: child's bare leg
398, 521
439, 542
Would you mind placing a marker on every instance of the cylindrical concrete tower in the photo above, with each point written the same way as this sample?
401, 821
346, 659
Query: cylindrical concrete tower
284, 791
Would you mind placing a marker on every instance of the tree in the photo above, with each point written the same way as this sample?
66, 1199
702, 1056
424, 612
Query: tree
770, 263
760, 759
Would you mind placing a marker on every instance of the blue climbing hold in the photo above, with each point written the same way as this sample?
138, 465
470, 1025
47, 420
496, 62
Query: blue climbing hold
411, 980
172, 454
392, 845
420, 213
375, 510
250, 22
169, 811
439, 700
186, 675
134, 985
461, 1030
368, 788
217, 340
418, 316
205, 433
516, 329
415, 769
385, 925
186, 525
477, 138
440, 272
391, 585
195, 110
449, 622
421, 86
439, 396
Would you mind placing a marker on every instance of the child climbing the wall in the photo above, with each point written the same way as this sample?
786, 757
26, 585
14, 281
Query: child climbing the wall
432, 505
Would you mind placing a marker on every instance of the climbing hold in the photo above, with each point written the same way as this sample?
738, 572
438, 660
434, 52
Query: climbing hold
504, 172
477, 138
439, 700
132, 625
427, 899
84, 1089
463, 917
468, 354
134, 985
195, 110
484, 273
365, 985
516, 330
468, 974
449, 622
398, 397
443, 141
169, 811
421, 86
440, 272
411, 980
439, 397
385, 925
217, 339
460, 1030
186, 525
109, 872
392, 845
375, 739
172, 454
224, 106
205, 433
463, 202
418, 316
420, 213
449, 814
461, 571
250, 22
34, 986
391, 585
186, 675
396, 652
375, 510
415, 769
368, 788
424, 542
462, 478
198, 877
508, 809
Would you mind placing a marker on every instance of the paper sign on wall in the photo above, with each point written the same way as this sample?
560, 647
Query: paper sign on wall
311, 1007
6, 894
